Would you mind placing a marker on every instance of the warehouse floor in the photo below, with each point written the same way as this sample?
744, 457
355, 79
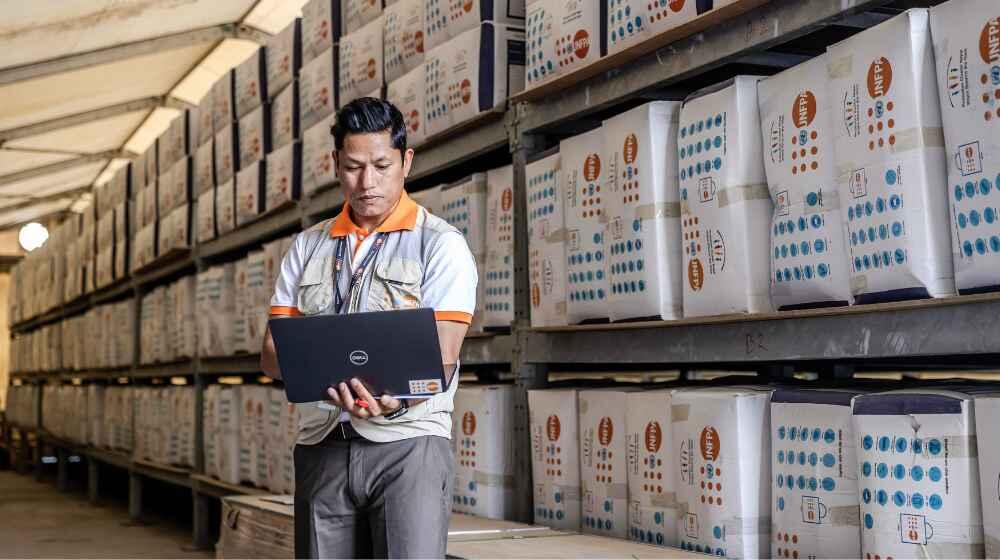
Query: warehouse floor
38, 521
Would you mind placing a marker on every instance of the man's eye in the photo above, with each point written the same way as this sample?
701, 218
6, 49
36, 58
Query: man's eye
383, 167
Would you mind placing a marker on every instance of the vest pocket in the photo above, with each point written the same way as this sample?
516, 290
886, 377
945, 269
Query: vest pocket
316, 286
395, 285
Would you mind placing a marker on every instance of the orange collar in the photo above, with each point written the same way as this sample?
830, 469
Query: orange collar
402, 218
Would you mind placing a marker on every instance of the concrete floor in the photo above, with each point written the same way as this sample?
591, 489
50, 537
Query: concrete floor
37, 521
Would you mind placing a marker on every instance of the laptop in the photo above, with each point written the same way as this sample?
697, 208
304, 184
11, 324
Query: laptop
394, 352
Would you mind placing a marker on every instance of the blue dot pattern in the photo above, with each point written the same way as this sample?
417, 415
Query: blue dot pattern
876, 224
499, 281
539, 34
586, 269
625, 22
801, 248
975, 220
545, 216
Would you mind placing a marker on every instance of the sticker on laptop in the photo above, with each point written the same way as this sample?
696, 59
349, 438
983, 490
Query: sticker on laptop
418, 386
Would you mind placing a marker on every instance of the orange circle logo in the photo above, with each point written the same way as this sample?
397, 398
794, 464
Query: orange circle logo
592, 168
467, 6
506, 200
696, 274
605, 431
989, 41
804, 109
553, 428
654, 437
371, 68
879, 77
710, 444
468, 423
581, 43
414, 120
630, 148
676, 5
466, 91
418, 41
536, 295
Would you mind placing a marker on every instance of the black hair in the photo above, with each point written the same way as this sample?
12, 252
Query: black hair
369, 115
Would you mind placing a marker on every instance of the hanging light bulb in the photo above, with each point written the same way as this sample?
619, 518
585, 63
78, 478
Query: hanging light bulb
32, 236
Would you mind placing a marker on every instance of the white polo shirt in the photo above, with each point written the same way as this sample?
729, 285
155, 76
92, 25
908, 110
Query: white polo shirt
424, 262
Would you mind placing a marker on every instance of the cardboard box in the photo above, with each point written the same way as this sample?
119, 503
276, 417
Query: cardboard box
563, 36
809, 259
317, 90
988, 414
918, 474
253, 399
284, 57
603, 462
241, 294
429, 199
360, 62
250, 193
210, 427
258, 297
152, 167
555, 457
121, 260
815, 485
965, 37
225, 207
284, 179
251, 83
254, 136
320, 27
106, 231
403, 38
356, 14
472, 73
146, 202
408, 94
546, 242
224, 101
724, 470
184, 317
227, 436
176, 191
123, 220
285, 116
105, 267
172, 144
582, 178
204, 116
226, 154
651, 470
484, 471
217, 306
464, 205
318, 170
889, 147
144, 247
205, 229
175, 230
203, 169
643, 240
446, 19
499, 280
725, 205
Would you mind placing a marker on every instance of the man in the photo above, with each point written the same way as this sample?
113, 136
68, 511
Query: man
375, 479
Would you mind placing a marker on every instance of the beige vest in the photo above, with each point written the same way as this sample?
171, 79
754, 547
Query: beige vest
392, 281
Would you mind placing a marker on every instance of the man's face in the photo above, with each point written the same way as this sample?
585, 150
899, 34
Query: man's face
372, 173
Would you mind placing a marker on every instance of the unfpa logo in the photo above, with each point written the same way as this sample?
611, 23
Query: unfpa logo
654, 436
468, 423
710, 443
581, 43
989, 41
804, 109
592, 168
879, 77
605, 431
553, 428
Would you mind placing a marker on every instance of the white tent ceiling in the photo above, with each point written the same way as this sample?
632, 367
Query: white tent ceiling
86, 84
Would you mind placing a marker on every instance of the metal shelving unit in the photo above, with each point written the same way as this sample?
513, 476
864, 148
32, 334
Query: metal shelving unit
773, 35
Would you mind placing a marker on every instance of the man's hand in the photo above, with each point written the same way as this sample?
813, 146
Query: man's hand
341, 396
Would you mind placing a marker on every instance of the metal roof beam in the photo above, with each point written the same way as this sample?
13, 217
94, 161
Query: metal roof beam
59, 166
80, 118
119, 52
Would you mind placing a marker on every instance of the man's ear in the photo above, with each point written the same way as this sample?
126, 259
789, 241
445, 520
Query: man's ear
407, 162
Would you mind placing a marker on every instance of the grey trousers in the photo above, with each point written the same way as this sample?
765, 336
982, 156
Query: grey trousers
360, 499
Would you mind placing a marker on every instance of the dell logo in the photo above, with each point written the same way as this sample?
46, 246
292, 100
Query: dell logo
358, 357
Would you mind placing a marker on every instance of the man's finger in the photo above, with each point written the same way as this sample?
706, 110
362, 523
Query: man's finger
334, 397
389, 402
347, 401
362, 392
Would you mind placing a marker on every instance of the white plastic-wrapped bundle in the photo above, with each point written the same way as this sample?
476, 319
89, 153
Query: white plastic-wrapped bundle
585, 216
723, 470
652, 496
483, 437
725, 204
360, 64
464, 206
404, 38
318, 170
967, 51
561, 36
408, 93
809, 258
555, 457
430, 199
643, 238
447, 19
891, 161
499, 288
546, 242
356, 14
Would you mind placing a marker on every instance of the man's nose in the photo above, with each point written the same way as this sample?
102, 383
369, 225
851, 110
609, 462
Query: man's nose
369, 177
